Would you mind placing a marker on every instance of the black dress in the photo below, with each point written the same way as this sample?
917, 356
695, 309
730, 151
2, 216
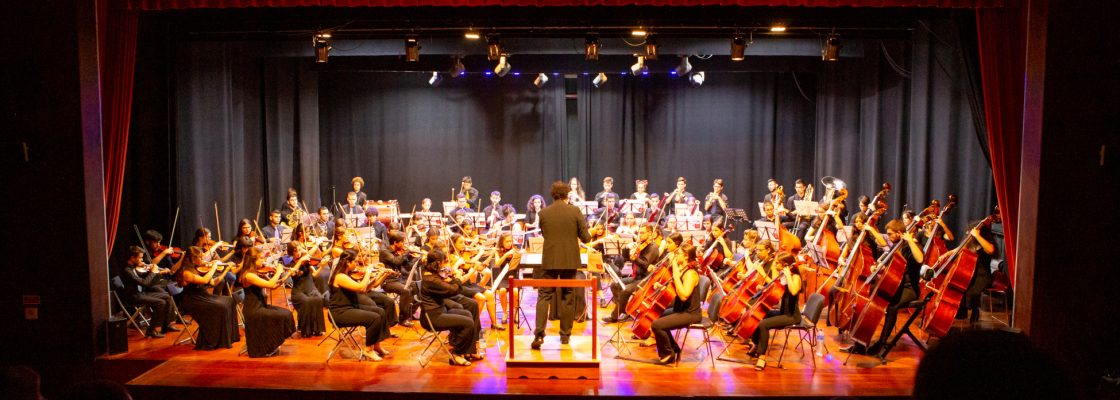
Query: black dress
309, 302
216, 317
266, 325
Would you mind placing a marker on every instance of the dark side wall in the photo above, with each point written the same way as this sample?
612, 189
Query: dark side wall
52, 208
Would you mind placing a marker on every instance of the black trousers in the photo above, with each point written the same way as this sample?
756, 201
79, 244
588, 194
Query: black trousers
774, 319
404, 298
460, 302
663, 331
368, 304
373, 321
901, 299
385, 302
464, 331
621, 295
545, 297
160, 303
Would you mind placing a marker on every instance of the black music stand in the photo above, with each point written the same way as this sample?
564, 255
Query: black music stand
916, 307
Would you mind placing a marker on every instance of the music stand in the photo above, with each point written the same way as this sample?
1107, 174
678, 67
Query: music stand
805, 208
479, 219
449, 206
737, 215
631, 206
762, 209
767, 231
587, 207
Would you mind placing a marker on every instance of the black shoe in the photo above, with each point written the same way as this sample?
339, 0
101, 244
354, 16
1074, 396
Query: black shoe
875, 349
610, 319
407, 324
855, 349
537, 342
170, 328
153, 334
565, 339
624, 318
666, 360
393, 335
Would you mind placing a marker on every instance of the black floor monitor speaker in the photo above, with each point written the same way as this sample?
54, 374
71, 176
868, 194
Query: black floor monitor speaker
116, 335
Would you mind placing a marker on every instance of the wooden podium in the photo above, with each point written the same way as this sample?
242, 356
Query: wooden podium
579, 361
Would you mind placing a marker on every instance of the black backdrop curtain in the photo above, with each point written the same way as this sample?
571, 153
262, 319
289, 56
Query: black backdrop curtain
248, 126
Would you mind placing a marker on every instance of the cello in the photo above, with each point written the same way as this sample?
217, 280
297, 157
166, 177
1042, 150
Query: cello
769, 299
853, 269
871, 300
661, 295
947, 296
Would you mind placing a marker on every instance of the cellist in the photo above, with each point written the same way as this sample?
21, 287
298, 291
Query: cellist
643, 256
788, 313
911, 251
686, 305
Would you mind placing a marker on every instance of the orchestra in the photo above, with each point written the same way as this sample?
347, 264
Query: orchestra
451, 271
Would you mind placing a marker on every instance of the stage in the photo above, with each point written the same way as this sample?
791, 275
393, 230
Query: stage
157, 368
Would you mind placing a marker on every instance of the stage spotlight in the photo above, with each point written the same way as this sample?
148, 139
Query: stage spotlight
591, 51
599, 80
738, 48
472, 34
639, 67
639, 32
411, 50
493, 49
697, 79
778, 28
541, 80
684, 68
457, 68
651, 48
831, 49
322, 43
436, 79
503, 67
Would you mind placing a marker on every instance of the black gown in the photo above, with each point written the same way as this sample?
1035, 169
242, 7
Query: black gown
309, 303
266, 325
216, 317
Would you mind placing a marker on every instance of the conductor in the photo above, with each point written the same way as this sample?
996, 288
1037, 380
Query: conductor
563, 227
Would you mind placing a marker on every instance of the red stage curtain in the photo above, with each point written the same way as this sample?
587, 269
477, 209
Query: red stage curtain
189, 4
117, 31
1002, 42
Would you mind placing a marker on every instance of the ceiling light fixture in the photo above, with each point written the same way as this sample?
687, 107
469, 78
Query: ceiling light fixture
831, 49
738, 48
493, 48
684, 68
436, 79
411, 50
778, 28
651, 48
503, 67
639, 32
472, 34
322, 42
697, 79
639, 67
599, 80
457, 67
591, 51
541, 80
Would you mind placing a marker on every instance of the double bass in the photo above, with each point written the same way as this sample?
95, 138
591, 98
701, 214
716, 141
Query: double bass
947, 296
853, 268
871, 302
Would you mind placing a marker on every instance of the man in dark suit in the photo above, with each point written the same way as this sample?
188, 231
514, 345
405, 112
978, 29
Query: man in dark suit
563, 227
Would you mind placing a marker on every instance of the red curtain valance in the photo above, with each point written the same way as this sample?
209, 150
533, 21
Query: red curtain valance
192, 4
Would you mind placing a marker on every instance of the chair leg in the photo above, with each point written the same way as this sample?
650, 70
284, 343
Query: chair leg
785, 343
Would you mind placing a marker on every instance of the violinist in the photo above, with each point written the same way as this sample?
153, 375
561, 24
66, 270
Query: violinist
505, 254
292, 213
607, 214
306, 296
266, 325
437, 289
162, 256
911, 251
469, 194
686, 305
274, 231
715, 204
643, 255
357, 184
245, 230
472, 274
141, 287
353, 211
216, 315
608, 186
348, 308
396, 256
323, 226
202, 240
788, 312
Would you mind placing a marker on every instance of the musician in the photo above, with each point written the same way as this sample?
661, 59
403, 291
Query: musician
462, 206
640, 193
426, 205
643, 255
715, 204
348, 308
532, 208
292, 207
497, 213
142, 287
266, 326
629, 227
164, 257
717, 235
680, 195
864, 206
907, 217
982, 275
577, 193
274, 231
323, 226
395, 256
686, 305
607, 214
306, 296
380, 232
800, 194
505, 254
357, 184
608, 185
859, 223
352, 210
788, 312
202, 240
473, 277
437, 288
216, 315
563, 227
911, 251
746, 246
772, 193
469, 194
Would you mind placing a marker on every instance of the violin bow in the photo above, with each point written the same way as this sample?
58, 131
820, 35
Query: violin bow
174, 224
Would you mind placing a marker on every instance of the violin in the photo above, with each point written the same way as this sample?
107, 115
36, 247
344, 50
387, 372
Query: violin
175, 251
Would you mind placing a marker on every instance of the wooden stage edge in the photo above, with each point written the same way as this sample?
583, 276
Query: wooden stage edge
159, 369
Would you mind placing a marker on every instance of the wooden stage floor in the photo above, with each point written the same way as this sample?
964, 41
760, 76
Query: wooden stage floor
157, 368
